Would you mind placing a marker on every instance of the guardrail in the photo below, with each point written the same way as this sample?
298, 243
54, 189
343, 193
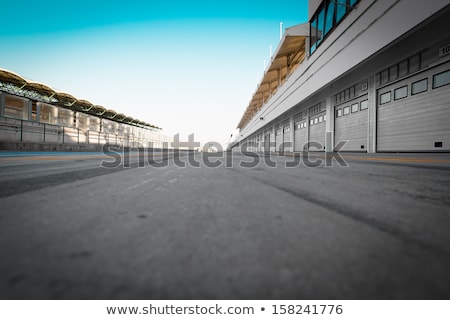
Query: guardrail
16, 130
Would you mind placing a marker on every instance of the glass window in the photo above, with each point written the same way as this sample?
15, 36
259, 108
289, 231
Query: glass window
441, 79
355, 107
347, 94
48, 114
65, 117
403, 68
363, 105
352, 92
311, 122
401, 93
341, 9
419, 86
16, 107
353, 2
346, 110
385, 97
313, 35
393, 73
338, 113
325, 118
94, 124
320, 22
329, 21
414, 63
385, 76
316, 120
320, 119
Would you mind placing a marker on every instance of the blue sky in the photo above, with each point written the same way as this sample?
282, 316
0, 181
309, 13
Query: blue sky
187, 66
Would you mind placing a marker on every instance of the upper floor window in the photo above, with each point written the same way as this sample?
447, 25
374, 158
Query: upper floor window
328, 15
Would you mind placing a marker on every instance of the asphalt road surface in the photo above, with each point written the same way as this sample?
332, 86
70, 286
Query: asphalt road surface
378, 228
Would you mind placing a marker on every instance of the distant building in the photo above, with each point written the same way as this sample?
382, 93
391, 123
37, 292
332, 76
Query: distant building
34, 113
367, 75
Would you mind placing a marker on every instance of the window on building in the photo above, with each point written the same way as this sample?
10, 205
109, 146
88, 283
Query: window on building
352, 92
329, 14
401, 93
363, 105
329, 20
325, 118
393, 73
419, 86
385, 97
385, 76
346, 110
441, 79
355, 107
16, 107
338, 113
414, 63
316, 120
341, 9
311, 122
320, 119
403, 68
65, 117
320, 23
48, 114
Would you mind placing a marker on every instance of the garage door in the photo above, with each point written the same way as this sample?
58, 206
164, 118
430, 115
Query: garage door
414, 114
351, 125
300, 135
317, 127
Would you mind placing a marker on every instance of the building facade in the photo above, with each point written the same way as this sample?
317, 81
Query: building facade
372, 76
32, 112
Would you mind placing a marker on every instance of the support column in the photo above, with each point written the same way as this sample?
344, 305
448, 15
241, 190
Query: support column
2, 105
291, 124
30, 109
306, 147
372, 114
329, 125
273, 140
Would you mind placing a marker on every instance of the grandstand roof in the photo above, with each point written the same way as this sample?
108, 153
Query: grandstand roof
15, 84
288, 56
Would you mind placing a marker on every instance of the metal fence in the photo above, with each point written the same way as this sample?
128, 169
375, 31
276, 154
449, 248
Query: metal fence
16, 130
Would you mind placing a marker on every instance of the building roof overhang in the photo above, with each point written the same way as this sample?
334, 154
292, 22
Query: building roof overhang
15, 84
289, 55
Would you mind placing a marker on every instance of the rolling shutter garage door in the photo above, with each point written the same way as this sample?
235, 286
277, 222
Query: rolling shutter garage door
300, 135
414, 113
351, 125
317, 127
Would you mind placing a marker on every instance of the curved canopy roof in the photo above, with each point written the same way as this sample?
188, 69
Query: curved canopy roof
15, 84
288, 56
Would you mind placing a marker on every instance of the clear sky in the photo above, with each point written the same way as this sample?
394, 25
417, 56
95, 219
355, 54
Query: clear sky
185, 66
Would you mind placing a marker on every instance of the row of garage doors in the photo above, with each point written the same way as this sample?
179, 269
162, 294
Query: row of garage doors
411, 115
